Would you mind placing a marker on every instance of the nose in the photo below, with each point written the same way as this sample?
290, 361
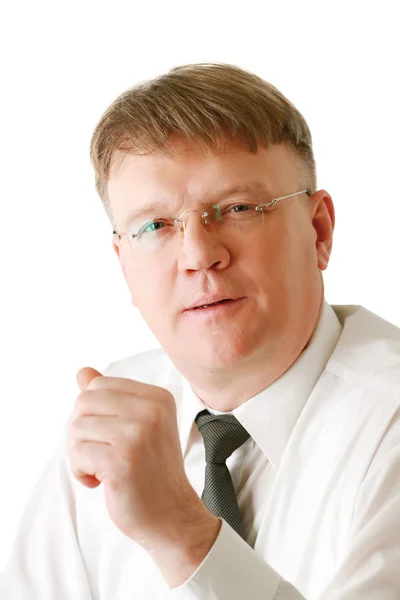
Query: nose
199, 248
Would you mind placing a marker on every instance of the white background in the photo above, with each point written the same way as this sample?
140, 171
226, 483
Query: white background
64, 304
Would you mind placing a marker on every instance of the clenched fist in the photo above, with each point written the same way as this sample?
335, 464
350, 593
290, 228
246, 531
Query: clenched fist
124, 434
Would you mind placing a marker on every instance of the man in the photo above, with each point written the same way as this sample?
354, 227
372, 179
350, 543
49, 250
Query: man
256, 454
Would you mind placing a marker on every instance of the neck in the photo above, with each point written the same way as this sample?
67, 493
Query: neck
229, 390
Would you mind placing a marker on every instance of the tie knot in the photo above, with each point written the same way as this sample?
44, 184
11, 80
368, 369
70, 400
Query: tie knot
222, 435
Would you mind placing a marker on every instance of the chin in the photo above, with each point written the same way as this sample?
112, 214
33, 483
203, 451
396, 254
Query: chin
221, 352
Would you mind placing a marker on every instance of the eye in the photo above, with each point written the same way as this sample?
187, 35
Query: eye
152, 226
245, 206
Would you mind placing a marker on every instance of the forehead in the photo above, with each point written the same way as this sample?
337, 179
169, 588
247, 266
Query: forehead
192, 177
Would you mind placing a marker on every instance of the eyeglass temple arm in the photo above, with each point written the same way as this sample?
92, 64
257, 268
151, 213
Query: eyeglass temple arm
275, 200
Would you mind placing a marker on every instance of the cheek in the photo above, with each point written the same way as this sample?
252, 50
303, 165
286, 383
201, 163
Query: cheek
297, 242
151, 294
288, 258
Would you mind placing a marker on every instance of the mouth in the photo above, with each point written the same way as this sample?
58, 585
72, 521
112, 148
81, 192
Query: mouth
217, 308
213, 304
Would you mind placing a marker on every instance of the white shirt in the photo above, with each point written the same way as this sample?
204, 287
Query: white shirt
318, 486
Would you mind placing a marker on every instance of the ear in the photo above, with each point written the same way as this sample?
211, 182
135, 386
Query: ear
323, 220
117, 250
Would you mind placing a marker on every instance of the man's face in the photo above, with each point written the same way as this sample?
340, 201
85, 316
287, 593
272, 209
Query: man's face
275, 268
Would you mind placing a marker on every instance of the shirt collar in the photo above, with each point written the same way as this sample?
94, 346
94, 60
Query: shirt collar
271, 415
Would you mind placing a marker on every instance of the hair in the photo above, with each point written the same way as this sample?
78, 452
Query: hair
204, 103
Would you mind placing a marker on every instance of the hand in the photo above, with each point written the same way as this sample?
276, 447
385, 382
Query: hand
124, 433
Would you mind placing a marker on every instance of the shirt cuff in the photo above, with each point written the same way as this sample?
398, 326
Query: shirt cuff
231, 569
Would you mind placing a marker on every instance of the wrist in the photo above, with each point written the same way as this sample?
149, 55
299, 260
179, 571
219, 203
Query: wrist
179, 556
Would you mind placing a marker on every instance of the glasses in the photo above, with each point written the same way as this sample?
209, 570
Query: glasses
163, 234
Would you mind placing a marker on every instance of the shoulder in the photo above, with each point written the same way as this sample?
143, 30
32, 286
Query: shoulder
355, 405
368, 351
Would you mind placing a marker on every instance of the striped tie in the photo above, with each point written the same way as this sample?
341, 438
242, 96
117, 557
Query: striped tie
222, 435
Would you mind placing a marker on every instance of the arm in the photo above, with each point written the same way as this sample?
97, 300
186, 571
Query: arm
368, 570
231, 569
45, 561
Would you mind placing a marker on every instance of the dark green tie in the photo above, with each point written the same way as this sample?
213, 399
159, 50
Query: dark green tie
222, 435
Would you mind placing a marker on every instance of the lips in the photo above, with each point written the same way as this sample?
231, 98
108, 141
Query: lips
209, 300
214, 310
213, 304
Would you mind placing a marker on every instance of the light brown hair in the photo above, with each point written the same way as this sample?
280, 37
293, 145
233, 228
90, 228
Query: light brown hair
202, 102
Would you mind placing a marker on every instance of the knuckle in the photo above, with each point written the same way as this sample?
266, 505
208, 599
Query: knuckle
96, 383
156, 415
72, 445
133, 436
114, 436
74, 426
169, 401
134, 441
82, 402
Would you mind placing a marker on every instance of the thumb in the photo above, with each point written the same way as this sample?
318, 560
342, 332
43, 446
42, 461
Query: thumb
85, 376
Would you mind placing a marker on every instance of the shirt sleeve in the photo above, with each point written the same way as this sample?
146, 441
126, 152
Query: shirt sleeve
232, 569
45, 560
368, 570
370, 566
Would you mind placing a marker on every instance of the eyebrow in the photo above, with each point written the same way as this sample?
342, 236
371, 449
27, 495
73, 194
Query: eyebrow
153, 207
